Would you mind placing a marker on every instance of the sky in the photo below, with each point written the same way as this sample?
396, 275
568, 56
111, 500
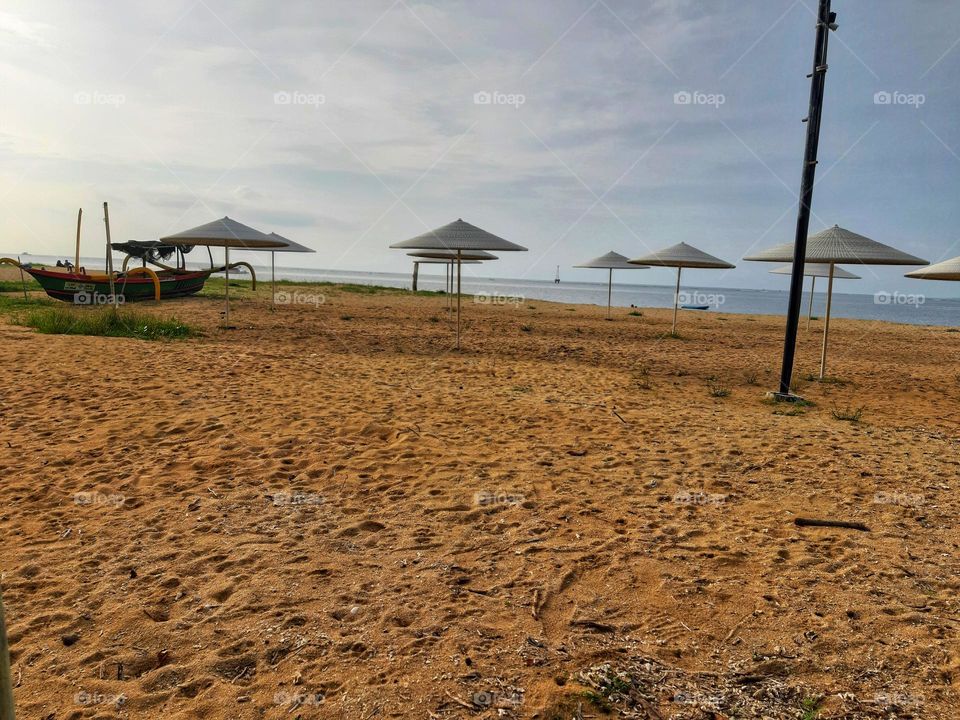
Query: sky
572, 127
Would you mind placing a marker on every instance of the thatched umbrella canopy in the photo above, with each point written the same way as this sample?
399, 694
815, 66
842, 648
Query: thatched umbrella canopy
459, 237
681, 256
946, 270
226, 233
835, 246
610, 262
813, 271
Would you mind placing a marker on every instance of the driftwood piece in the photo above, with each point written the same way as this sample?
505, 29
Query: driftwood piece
811, 522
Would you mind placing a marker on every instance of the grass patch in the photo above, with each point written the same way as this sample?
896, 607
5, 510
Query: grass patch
10, 303
214, 287
810, 708
346, 317
526, 328
671, 336
848, 414
717, 390
635, 313
826, 380
751, 377
433, 319
105, 322
17, 286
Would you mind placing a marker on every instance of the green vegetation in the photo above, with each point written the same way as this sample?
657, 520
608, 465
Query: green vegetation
526, 328
826, 380
717, 390
215, 285
849, 414
104, 322
17, 286
810, 708
635, 313
9, 303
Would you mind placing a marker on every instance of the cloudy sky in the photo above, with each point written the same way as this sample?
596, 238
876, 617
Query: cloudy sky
558, 124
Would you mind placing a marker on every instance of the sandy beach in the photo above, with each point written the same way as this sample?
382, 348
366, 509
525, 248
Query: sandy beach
329, 513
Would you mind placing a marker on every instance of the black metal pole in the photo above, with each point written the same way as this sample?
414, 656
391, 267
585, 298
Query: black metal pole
818, 80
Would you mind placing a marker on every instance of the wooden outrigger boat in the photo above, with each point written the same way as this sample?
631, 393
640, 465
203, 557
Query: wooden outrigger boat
76, 285
133, 286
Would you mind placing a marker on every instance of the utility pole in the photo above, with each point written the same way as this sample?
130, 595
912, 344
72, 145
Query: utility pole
826, 21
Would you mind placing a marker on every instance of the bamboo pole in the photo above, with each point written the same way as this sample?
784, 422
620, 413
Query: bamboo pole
76, 265
826, 326
6, 684
113, 289
23, 280
813, 285
676, 301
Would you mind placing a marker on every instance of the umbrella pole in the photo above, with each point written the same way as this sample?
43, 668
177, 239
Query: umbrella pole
273, 279
813, 285
458, 299
416, 270
609, 291
826, 326
6, 686
113, 290
76, 266
226, 286
676, 301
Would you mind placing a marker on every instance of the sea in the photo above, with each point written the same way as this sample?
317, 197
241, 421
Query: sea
914, 309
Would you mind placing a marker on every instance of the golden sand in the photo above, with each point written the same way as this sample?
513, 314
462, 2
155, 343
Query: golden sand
329, 513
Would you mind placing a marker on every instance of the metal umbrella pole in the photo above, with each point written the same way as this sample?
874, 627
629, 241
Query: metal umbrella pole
825, 23
273, 278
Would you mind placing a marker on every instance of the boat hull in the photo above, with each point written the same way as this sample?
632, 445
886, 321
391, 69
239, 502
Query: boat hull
81, 289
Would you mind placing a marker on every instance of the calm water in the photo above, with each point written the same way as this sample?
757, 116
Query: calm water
901, 308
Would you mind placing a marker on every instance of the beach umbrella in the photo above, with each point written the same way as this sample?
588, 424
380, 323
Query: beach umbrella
946, 270
459, 237
447, 268
681, 256
288, 246
610, 262
226, 233
469, 257
834, 246
813, 271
